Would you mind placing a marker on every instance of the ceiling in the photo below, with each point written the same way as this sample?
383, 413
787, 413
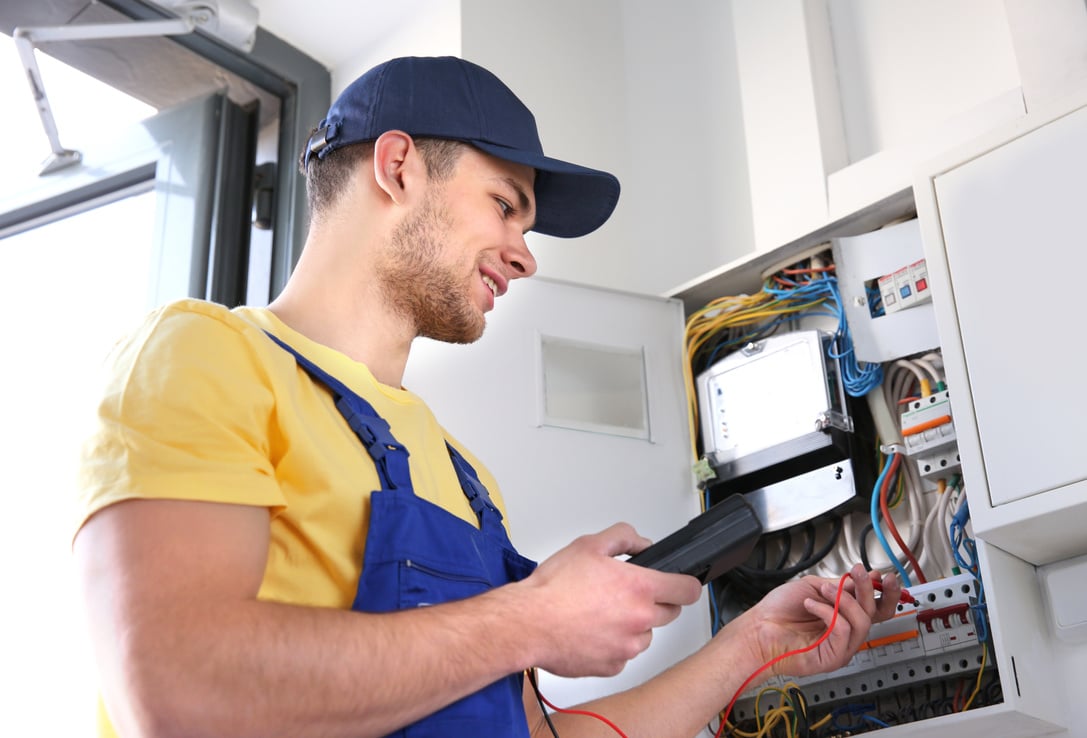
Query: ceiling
162, 73
342, 29
152, 69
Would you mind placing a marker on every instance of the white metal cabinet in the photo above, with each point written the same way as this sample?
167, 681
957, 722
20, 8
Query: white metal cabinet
1005, 233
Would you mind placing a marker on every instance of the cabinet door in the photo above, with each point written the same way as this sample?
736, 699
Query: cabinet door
574, 399
1010, 228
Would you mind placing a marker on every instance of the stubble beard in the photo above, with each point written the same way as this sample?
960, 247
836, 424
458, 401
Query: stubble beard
424, 290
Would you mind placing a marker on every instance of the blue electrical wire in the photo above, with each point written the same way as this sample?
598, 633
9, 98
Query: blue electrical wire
748, 337
875, 302
961, 542
715, 625
876, 527
860, 712
858, 379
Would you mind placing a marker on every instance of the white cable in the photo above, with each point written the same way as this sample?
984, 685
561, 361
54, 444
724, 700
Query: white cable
929, 367
937, 360
849, 540
937, 548
912, 367
936, 529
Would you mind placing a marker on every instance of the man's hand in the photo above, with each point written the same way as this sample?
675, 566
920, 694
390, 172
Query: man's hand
795, 615
596, 612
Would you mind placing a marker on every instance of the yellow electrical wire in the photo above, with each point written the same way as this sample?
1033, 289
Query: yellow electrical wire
900, 489
764, 723
775, 716
721, 314
764, 690
977, 686
764, 729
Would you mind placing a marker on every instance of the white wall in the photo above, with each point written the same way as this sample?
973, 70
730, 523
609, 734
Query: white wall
830, 85
736, 127
645, 90
565, 60
906, 68
420, 28
687, 197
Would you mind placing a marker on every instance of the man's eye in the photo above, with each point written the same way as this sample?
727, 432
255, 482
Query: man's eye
505, 206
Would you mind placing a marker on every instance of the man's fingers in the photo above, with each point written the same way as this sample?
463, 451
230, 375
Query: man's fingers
666, 614
888, 602
620, 538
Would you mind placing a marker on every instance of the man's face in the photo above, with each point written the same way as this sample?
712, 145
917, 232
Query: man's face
449, 260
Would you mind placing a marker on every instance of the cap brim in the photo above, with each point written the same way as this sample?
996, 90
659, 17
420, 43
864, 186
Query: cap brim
571, 200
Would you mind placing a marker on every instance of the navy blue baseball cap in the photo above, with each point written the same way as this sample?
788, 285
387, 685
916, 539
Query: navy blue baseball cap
447, 97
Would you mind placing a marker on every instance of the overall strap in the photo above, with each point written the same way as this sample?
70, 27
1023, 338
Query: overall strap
478, 496
389, 455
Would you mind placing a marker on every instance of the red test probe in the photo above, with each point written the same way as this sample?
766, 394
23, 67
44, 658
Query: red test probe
905, 598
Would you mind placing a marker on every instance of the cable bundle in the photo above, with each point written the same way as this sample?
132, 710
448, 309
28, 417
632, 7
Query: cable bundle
806, 289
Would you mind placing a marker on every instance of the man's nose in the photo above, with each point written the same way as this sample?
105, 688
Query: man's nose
519, 256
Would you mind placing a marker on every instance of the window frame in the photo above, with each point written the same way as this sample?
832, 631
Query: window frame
303, 88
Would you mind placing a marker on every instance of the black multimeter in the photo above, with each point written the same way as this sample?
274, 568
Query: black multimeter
709, 545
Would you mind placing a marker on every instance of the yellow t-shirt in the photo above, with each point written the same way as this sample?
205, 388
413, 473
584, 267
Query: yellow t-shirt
200, 404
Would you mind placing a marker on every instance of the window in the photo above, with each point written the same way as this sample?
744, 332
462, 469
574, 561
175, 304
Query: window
57, 332
156, 211
86, 110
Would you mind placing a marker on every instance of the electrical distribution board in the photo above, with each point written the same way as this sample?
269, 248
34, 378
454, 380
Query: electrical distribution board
786, 421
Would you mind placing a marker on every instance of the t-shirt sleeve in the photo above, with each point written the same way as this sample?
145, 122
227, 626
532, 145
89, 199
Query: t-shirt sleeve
186, 414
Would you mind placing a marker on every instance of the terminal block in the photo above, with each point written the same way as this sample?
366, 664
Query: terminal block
934, 639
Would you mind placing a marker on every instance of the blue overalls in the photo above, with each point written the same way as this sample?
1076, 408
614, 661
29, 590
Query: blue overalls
419, 554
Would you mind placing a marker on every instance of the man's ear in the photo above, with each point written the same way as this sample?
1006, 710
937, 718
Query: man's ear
397, 164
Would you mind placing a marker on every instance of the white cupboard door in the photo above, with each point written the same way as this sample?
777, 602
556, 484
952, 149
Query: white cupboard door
574, 399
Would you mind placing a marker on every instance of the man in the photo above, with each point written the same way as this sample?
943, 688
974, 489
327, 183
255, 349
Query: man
278, 539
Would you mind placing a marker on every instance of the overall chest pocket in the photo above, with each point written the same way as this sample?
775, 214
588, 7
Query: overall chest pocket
425, 583
495, 710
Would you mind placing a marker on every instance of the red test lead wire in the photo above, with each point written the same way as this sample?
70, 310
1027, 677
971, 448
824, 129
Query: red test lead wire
782, 657
905, 598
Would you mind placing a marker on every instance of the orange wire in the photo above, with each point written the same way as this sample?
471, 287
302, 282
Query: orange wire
895, 461
927, 425
955, 703
771, 662
812, 270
